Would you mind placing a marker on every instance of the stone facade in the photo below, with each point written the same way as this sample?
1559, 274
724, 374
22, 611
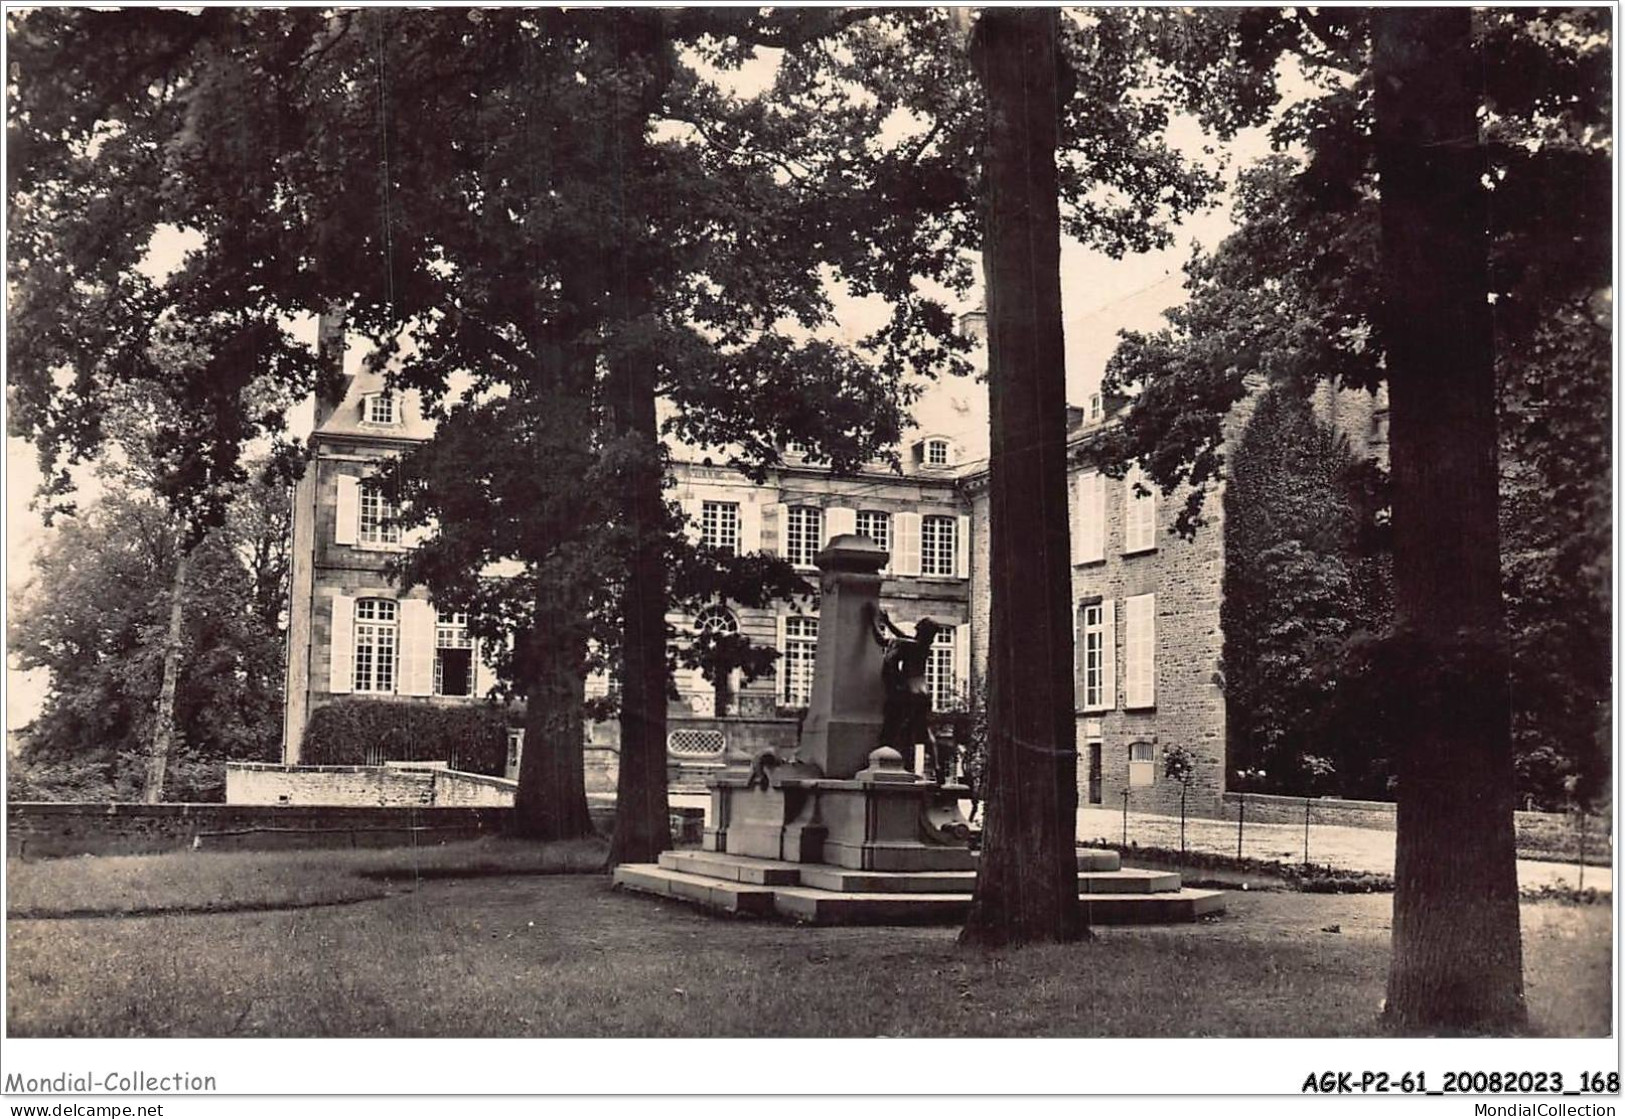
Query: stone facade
337, 567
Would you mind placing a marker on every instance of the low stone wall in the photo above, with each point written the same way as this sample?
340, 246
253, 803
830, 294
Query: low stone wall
336, 785
1541, 835
48, 830
454, 789
602, 766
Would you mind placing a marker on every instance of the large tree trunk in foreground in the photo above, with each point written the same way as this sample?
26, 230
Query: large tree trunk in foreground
163, 723
1457, 958
551, 801
1027, 881
643, 54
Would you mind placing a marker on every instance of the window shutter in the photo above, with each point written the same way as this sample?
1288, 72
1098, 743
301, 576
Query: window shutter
839, 521
691, 522
750, 525
341, 644
962, 547
484, 678
347, 510
773, 525
906, 548
783, 688
1139, 514
1078, 656
1092, 514
1079, 526
1139, 683
962, 662
417, 647
1108, 655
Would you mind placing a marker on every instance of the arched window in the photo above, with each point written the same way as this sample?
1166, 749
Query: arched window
716, 619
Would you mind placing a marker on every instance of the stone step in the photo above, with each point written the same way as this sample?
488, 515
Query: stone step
733, 868
1095, 858
842, 880
1152, 909
824, 907
713, 893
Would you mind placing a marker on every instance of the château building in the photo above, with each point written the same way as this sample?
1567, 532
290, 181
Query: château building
1145, 601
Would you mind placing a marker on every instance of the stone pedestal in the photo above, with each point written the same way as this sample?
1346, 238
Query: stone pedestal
842, 799
846, 709
864, 825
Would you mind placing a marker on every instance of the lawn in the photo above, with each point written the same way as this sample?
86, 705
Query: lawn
526, 955
223, 881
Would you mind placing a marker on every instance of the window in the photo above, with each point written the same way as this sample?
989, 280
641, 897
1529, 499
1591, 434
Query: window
939, 671
453, 655
803, 534
1139, 513
1140, 651
1142, 764
938, 545
1094, 656
716, 619
376, 644
936, 452
876, 526
516, 751
377, 520
380, 408
800, 649
1095, 406
719, 525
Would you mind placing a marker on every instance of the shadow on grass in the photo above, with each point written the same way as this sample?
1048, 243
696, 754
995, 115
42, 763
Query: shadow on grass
203, 882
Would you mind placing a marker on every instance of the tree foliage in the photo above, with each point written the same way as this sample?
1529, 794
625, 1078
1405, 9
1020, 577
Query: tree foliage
95, 614
1292, 296
1306, 568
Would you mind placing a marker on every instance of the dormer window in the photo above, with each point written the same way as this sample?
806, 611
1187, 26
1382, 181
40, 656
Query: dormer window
936, 452
1096, 408
380, 408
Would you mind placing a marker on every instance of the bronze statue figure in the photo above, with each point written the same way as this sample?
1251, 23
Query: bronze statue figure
907, 717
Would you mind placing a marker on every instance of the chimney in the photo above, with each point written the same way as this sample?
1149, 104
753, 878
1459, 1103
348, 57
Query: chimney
331, 383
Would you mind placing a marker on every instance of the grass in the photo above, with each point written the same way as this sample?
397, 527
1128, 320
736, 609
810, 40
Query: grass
210, 881
569, 957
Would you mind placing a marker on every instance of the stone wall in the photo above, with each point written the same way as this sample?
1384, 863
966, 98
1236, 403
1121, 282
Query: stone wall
1188, 711
354, 785
47, 830
454, 789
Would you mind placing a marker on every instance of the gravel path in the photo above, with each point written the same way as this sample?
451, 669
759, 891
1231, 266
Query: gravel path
1366, 849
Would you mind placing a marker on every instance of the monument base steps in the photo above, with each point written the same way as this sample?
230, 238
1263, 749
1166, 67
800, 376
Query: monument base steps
834, 895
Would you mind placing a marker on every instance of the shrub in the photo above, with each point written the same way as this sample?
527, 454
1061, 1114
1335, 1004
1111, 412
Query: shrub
471, 738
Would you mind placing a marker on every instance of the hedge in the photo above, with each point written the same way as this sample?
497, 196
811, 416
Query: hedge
471, 738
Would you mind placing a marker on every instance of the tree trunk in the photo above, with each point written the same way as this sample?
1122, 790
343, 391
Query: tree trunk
163, 728
551, 801
643, 54
1457, 958
1027, 881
